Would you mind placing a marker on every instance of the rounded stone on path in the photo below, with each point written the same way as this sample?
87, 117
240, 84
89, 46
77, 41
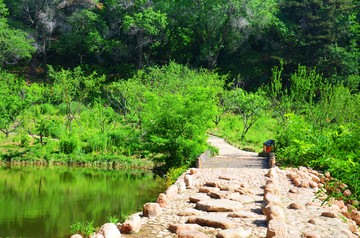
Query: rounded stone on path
151, 209
244, 191
211, 184
208, 190
305, 184
199, 197
271, 188
274, 212
329, 214
76, 236
213, 220
314, 221
181, 186
189, 212
270, 197
109, 230
352, 226
347, 193
163, 200
297, 181
191, 234
355, 215
219, 205
276, 227
242, 214
132, 225
311, 234
172, 192
189, 181
339, 203
294, 190
193, 171
296, 206
313, 184
96, 235
315, 179
176, 228
232, 233
224, 178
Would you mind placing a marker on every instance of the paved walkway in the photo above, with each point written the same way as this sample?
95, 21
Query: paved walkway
232, 157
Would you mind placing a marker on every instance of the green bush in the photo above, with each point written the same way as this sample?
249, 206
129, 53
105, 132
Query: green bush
70, 145
98, 142
116, 138
46, 109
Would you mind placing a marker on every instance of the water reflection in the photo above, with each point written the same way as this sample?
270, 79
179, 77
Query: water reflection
44, 201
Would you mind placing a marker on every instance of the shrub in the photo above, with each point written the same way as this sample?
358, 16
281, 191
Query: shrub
173, 173
116, 138
46, 109
69, 145
98, 142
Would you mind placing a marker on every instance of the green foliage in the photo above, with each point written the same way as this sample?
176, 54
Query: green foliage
14, 43
250, 106
98, 142
70, 145
173, 173
83, 228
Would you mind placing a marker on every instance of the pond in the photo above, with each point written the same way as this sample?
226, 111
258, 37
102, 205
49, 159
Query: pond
44, 201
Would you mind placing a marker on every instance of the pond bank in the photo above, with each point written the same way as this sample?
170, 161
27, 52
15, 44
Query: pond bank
226, 201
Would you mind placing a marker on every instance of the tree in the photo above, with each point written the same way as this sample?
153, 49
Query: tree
312, 27
206, 28
250, 106
14, 99
72, 86
14, 44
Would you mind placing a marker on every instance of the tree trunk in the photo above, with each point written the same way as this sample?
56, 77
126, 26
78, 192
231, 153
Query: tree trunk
33, 64
45, 59
140, 46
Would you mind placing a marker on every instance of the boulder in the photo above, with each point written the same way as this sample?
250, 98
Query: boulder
315, 179
305, 184
270, 197
272, 188
215, 221
313, 184
272, 173
232, 233
96, 235
274, 212
172, 192
76, 236
211, 184
109, 230
243, 199
276, 227
189, 181
219, 205
355, 215
163, 200
193, 171
181, 186
176, 228
223, 194
347, 193
132, 225
151, 209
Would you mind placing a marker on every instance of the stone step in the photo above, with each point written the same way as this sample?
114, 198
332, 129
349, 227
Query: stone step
236, 162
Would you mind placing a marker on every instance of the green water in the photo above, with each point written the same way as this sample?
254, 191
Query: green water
45, 201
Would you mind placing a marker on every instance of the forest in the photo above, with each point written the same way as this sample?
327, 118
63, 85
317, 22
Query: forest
143, 82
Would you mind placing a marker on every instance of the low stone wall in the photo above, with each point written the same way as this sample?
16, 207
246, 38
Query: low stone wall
201, 159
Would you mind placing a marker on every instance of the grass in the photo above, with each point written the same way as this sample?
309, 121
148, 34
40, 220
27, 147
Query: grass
230, 128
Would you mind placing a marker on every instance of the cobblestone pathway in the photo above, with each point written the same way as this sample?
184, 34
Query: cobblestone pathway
232, 157
246, 202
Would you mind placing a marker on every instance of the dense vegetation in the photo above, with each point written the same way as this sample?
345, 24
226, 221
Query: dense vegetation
119, 80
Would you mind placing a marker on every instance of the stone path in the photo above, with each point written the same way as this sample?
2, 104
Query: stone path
228, 202
231, 157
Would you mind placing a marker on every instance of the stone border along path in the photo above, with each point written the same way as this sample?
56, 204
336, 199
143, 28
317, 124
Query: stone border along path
230, 202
